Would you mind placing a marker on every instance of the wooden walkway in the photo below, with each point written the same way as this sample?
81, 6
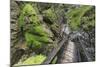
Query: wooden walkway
69, 53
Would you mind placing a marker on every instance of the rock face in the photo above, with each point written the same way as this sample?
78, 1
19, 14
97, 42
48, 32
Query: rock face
14, 31
39, 28
14, 22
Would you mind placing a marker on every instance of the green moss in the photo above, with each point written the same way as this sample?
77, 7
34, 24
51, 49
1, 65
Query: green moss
31, 41
42, 39
36, 41
50, 14
38, 59
88, 20
35, 20
28, 9
39, 30
74, 16
30, 12
21, 20
34, 32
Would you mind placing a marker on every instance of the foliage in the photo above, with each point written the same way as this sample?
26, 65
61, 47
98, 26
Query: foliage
74, 16
55, 26
34, 32
28, 11
39, 30
50, 14
38, 59
31, 41
36, 41
88, 20
36, 35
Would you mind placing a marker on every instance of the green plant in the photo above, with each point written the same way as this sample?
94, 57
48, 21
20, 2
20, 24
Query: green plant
34, 32
88, 20
36, 41
38, 59
39, 30
74, 16
50, 14
31, 41
28, 11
